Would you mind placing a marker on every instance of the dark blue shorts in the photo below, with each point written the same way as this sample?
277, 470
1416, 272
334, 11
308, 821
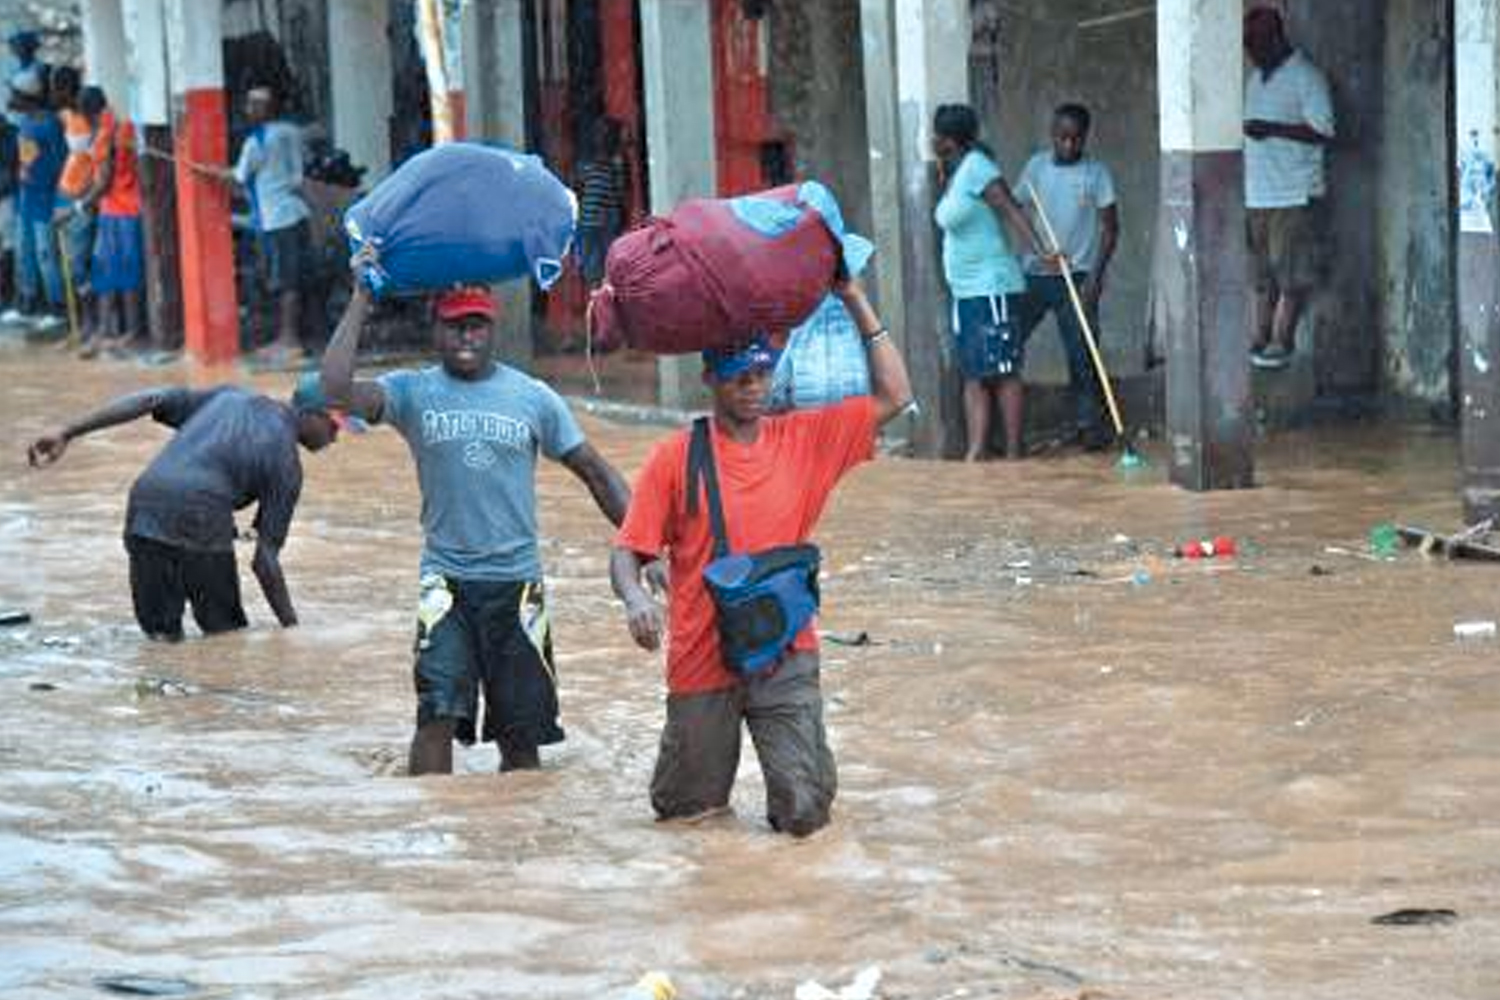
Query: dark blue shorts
118, 256
988, 332
490, 638
288, 255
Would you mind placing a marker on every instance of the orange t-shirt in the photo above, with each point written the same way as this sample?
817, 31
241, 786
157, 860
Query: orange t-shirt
773, 492
124, 195
78, 169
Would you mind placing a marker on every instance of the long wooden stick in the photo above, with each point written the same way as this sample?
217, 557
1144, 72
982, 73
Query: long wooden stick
1083, 319
65, 265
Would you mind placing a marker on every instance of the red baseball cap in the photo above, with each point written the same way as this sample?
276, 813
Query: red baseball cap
459, 302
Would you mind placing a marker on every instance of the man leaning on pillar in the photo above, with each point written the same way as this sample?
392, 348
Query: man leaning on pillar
1288, 122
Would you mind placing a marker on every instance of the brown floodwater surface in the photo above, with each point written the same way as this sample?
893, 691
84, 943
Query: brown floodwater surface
1068, 763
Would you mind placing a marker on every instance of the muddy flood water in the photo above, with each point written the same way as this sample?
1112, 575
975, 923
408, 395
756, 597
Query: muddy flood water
1069, 765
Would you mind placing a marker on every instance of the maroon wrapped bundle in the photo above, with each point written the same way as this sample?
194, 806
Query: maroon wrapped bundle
717, 270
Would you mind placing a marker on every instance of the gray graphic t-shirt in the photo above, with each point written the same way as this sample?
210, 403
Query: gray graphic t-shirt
475, 445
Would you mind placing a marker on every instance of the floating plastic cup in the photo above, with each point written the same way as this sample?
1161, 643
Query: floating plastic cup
1384, 540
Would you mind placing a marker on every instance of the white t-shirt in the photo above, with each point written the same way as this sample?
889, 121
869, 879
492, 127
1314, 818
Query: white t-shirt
270, 167
1283, 173
1073, 195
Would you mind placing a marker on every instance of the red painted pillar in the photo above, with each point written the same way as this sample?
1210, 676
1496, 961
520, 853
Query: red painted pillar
621, 96
742, 103
440, 39
210, 310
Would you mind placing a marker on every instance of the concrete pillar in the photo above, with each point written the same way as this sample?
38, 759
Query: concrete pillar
148, 103
494, 54
440, 39
677, 52
104, 47
359, 65
915, 58
1201, 281
201, 126
1476, 54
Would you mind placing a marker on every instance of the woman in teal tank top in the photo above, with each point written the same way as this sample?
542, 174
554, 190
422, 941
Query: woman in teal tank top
984, 277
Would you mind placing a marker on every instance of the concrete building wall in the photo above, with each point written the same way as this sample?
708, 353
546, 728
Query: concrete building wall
1027, 60
1385, 322
1347, 39
817, 92
1417, 314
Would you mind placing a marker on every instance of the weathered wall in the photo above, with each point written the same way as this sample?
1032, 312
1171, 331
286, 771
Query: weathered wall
1027, 59
817, 93
1346, 38
1416, 244
1385, 321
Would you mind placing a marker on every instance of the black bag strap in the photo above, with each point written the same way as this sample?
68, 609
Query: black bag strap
701, 464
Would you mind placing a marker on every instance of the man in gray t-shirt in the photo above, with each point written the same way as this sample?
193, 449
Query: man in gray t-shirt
1078, 195
231, 448
475, 429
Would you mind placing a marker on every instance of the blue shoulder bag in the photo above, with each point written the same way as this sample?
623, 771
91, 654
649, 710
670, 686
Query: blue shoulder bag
763, 599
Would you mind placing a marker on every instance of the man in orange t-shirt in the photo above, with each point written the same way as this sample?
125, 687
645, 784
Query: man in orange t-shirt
775, 476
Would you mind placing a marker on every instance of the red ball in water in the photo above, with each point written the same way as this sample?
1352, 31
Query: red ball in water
1224, 546
1191, 550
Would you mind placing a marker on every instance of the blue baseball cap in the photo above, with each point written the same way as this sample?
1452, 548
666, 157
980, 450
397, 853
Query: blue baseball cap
733, 360
309, 396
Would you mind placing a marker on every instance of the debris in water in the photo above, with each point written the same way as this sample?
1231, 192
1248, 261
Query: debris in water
1318, 570
1477, 541
146, 986
862, 988
651, 986
1414, 917
14, 616
1221, 547
42, 686
1140, 578
1474, 630
161, 687
1339, 550
1383, 540
860, 638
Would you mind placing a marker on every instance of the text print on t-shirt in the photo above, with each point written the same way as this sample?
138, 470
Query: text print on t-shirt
480, 431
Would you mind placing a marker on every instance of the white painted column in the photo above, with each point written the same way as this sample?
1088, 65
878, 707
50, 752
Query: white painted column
915, 59
147, 101
359, 70
104, 49
677, 57
1200, 70
149, 98
1476, 54
1201, 278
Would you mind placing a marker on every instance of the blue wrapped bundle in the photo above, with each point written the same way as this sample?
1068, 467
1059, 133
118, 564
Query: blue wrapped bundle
462, 214
824, 360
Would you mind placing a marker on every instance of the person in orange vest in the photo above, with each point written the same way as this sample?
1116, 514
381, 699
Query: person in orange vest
117, 270
80, 109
